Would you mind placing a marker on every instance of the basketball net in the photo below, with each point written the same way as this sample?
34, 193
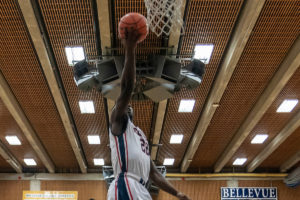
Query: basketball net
164, 16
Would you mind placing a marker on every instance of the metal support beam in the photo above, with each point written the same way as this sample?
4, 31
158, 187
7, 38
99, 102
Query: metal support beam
161, 111
4, 152
38, 42
241, 33
290, 162
104, 25
16, 111
285, 71
289, 128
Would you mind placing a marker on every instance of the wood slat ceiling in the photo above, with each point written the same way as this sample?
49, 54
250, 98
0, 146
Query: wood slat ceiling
208, 22
22, 71
8, 127
273, 35
70, 23
272, 123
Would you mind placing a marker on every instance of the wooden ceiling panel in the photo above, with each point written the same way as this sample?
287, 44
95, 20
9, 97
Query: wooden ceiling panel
272, 122
5, 167
265, 50
70, 23
21, 69
8, 127
207, 22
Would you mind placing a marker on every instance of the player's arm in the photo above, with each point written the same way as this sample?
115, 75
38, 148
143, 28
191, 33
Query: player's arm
163, 184
127, 83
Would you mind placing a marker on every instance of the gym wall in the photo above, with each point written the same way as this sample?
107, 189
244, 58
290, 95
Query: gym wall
197, 190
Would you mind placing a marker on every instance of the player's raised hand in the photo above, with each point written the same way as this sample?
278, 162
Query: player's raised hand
182, 196
131, 38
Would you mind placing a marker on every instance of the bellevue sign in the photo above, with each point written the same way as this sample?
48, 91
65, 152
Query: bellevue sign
248, 193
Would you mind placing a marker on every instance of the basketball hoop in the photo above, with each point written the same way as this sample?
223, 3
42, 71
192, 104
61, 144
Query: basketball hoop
164, 16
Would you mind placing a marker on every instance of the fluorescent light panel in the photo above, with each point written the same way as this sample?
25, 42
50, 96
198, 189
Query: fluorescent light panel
287, 105
239, 161
259, 139
74, 54
86, 107
13, 140
203, 52
98, 161
169, 161
176, 139
186, 105
93, 139
29, 162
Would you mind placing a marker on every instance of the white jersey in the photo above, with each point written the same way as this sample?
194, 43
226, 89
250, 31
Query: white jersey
130, 159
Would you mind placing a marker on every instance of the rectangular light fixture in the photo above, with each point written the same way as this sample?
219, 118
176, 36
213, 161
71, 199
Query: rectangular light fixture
176, 139
93, 139
239, 161
98, 161
29, 162
86, 107
186, 105
287, 105
259, 139
203, 52
74, 54
169, 161
13, 140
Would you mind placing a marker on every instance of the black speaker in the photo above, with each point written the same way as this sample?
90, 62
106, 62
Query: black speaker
165, 67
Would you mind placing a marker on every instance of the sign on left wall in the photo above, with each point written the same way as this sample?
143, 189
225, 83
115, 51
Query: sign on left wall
50, 195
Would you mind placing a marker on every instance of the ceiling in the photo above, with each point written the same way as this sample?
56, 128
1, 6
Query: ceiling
43, 130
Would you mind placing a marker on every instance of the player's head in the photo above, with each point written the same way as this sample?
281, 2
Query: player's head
129, 111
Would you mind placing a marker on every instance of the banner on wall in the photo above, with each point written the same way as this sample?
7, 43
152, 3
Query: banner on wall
248, 193
50, 195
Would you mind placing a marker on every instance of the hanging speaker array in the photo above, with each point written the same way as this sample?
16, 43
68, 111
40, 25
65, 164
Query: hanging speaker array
158, 77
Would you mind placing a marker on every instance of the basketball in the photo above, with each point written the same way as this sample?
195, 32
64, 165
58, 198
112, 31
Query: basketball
136, 21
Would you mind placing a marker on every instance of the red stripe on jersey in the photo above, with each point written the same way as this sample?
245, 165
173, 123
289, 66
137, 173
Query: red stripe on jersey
128, 186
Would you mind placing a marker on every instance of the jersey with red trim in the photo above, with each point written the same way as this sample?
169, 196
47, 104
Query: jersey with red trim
130, 152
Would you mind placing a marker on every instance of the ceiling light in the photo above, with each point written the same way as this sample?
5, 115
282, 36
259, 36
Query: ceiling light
287, 105
186, 105
86, 106
13, 140
169, 161
259, 139
98, 161
239, 161
93, 139
203, 52
74, 54
176, 139
29, 162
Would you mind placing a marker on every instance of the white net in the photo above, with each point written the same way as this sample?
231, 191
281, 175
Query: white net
164, 16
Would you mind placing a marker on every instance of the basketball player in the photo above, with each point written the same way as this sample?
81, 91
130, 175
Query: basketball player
129, 147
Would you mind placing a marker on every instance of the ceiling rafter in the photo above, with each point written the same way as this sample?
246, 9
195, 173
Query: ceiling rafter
18, 114
35, 33
245, 23
287, 68
4, 152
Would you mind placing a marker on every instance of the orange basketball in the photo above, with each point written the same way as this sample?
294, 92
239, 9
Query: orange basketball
135, 20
